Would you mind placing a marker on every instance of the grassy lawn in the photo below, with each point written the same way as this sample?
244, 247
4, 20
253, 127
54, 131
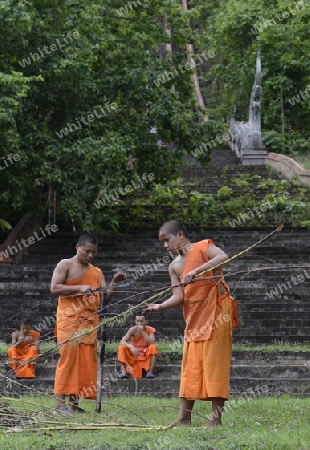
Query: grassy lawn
169, 346
254, 424
177, 346
250, 422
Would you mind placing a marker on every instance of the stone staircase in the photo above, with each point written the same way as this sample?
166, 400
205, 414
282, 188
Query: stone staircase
272, 307
272, 373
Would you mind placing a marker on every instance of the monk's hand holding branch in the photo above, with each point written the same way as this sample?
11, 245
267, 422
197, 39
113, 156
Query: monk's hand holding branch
152, 307
118, 277
84, 289
189, 277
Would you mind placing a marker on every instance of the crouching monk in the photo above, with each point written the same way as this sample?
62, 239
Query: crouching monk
138, 350
24, 351
209, 311
77, 316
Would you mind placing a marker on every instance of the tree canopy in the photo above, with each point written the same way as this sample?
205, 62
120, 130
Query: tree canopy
235, 30
91, 98
81, 101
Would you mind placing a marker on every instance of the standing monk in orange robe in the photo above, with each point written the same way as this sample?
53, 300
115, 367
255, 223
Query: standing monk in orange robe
209, 311
76, 372
24, 351
140, 353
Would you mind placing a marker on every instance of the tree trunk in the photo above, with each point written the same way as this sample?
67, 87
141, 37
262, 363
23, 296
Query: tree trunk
190, 53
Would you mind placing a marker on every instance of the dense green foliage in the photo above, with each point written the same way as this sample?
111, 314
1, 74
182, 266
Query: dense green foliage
91, 99
81, 106
251, 201
235, 30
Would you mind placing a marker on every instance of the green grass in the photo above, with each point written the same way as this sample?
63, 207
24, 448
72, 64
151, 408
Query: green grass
176, 346
276, 347
258, 424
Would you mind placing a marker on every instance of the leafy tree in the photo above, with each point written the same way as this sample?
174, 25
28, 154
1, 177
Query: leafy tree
93, 103
234, 30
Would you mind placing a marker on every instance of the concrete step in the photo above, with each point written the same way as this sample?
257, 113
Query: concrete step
163, 387
173, 371
266, 354
252, 373
176, 322
173, 356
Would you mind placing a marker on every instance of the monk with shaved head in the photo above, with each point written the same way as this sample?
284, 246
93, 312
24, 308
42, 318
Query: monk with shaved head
76, 281
137, 351
209, 311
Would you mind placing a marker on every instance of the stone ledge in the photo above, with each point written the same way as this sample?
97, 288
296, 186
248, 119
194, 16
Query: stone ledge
159, 387
288, 167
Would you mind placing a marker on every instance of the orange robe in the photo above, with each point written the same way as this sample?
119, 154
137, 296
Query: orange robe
76, 371
18, 357
209, 316
135, 364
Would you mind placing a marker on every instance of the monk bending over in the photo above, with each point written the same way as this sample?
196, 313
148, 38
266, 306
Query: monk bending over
77, 316
138, 350
208, 312
24, 351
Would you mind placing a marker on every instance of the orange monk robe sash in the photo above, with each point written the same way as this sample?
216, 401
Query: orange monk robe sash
206, 364
76, 371
208, 312
200, 297
76, 315
18, 357
135, 364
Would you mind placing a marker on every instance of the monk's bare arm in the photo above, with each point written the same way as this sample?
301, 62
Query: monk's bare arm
216, 256
15, 338
59, 278
19, 338
126, 338
177, 295
149, 338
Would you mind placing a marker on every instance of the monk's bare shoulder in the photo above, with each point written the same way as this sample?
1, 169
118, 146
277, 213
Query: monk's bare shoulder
65, 264
129, 334
214, 251
64, 267
61, 272
132, 331
176, 266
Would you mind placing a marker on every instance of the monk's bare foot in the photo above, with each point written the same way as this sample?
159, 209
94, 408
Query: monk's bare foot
212, 423
180, 422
